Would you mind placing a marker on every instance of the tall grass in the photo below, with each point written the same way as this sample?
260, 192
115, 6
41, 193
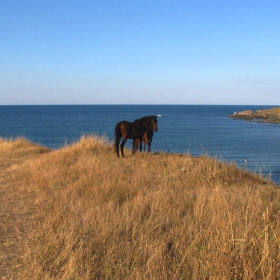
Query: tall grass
147, 216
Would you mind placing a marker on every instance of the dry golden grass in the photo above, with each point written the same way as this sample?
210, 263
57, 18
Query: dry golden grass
88, 215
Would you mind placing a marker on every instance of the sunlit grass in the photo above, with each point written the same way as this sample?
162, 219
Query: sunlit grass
147, 216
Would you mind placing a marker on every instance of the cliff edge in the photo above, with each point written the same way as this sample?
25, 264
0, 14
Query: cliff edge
266, 115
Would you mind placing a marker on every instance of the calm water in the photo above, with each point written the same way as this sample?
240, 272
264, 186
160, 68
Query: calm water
193, 129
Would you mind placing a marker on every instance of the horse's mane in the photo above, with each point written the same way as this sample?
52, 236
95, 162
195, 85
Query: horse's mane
145, 121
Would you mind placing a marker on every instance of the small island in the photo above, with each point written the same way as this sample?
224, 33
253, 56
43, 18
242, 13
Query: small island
266, 115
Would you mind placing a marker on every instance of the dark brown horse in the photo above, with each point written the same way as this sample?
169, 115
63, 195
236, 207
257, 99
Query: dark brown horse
149, 131
147, 139
127, 130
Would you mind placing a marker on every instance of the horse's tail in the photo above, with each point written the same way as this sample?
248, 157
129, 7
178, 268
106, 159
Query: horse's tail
118, 136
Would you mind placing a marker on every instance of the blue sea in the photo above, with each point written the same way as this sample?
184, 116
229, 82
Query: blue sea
185, 129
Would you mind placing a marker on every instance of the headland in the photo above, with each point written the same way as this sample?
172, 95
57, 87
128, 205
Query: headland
265, 115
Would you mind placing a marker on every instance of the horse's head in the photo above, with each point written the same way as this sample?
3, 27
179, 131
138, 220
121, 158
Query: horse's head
154, 123
148, 121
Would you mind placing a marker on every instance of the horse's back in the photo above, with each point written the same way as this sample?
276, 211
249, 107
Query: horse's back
120, 124
127, 129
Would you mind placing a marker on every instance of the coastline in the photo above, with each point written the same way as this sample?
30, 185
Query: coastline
265, 115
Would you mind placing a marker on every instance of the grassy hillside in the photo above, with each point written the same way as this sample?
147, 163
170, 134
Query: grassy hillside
81, 213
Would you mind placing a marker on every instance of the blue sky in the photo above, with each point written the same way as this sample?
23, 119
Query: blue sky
140, 52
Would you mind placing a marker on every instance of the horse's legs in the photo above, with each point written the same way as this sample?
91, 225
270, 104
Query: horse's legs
149, 145
122, 145
117, 151
134, 146
117, 147
117, 144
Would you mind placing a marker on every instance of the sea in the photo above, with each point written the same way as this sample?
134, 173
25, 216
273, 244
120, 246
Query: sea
197, 130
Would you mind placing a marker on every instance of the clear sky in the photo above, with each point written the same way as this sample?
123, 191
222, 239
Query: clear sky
140, 52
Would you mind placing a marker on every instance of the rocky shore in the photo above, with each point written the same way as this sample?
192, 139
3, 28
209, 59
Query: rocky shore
266, 115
